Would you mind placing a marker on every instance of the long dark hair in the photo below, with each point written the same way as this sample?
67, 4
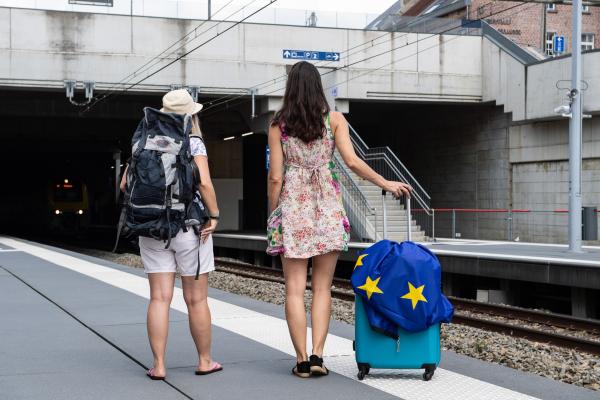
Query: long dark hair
304, 104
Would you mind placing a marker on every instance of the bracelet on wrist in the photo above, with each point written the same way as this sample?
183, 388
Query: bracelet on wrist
215, 217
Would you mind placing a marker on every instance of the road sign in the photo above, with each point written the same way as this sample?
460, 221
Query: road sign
311, 55
559, 44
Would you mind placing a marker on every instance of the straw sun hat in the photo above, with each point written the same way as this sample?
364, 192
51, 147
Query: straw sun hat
179, 102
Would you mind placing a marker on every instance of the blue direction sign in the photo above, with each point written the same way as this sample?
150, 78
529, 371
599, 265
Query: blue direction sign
311, 55
559, 44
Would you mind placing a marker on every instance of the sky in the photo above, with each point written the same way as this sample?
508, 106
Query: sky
354, 6
166, 7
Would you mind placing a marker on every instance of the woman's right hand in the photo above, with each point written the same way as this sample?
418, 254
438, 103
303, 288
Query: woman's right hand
397, 189
208, 229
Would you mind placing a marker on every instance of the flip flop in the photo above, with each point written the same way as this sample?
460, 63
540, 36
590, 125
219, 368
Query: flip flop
215, 368
151, 375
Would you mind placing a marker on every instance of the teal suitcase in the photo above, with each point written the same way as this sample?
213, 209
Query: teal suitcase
413, 350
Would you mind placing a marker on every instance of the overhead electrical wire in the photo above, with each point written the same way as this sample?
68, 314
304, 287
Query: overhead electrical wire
273, 81
193, 31
368, 58
233, 25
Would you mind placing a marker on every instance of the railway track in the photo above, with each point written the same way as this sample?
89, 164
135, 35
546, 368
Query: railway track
465, 310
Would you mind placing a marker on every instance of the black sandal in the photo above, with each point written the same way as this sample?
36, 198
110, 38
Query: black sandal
302, 369
316, 366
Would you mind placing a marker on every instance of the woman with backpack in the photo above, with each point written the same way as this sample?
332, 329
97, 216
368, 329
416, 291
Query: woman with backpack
307, 218
189, 252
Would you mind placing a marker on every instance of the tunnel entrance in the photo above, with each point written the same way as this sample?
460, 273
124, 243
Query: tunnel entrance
60, 169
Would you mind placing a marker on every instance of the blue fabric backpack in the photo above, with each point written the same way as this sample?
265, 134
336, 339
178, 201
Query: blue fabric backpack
400, 285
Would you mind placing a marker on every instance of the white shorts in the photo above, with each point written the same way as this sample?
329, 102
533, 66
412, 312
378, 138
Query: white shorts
182, 256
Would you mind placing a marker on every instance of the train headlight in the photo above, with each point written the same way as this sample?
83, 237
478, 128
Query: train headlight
80, 212
57, 212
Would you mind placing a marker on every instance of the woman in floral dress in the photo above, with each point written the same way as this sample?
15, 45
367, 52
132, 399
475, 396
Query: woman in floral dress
307, 218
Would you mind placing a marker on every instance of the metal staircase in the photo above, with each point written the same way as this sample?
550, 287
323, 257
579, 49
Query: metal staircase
363, 200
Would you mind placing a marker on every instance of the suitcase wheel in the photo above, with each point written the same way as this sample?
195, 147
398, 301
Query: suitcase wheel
363, 370
429, 371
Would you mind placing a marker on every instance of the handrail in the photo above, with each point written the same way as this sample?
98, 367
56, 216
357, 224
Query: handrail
397, 168
361, 207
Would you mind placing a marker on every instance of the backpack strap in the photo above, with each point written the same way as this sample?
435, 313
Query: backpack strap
168, 205
123, 214
198, 267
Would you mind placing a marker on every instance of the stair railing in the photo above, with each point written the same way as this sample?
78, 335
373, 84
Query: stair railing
361, 214
385, 162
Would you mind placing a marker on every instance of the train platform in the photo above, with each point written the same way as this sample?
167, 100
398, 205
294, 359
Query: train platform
550, 264
73, 327
542, 253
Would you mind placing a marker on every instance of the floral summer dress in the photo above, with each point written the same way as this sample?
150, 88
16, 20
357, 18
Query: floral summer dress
310, 219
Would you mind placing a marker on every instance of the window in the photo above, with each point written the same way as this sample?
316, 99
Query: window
108, 3
549, 49
585, 8
432, 8
587, 41
551, 7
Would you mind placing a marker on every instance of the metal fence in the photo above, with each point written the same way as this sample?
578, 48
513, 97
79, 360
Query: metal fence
386, 163
538, 226
361, 214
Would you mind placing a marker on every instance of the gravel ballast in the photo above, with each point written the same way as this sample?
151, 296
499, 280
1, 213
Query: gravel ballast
550, 361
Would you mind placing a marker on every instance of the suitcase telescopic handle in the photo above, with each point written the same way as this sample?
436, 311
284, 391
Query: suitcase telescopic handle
408, 216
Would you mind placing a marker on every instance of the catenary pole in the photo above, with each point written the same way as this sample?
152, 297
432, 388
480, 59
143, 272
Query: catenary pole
575, 134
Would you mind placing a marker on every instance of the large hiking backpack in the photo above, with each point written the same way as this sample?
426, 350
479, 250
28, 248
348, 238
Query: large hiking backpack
162, 180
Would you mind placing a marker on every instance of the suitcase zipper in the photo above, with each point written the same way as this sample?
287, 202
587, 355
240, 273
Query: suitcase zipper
398, 345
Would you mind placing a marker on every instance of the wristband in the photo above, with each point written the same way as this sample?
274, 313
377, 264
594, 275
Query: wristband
215, 217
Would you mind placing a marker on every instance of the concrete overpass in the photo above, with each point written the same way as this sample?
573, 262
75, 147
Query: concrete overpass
106, 48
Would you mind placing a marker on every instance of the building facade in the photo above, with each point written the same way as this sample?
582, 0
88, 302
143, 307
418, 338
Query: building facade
531, 25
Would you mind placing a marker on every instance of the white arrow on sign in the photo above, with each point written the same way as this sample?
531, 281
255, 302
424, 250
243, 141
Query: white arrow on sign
335, 56
286, 54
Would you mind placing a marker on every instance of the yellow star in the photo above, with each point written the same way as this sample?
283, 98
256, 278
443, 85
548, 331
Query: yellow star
371, 287
415, 294
359, 260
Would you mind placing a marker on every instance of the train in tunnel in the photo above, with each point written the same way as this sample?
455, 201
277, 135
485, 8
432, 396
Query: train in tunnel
68, 208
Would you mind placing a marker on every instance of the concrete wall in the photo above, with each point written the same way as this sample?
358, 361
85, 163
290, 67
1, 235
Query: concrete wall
107, 48
229, 193
540, 176
544, 96
458, 153
530, 92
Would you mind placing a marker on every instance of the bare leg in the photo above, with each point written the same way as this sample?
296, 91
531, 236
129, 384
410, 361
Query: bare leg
294, 272
195, 293
161, 293
323, 268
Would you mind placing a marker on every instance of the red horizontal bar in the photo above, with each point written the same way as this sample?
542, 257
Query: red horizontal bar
499, 210
493, 210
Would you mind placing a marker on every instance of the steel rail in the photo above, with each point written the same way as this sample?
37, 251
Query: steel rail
533, 316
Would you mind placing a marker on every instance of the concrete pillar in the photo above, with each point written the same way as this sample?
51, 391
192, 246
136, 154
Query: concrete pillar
579, 305
447, 287
506, 286
259, 258
276, 262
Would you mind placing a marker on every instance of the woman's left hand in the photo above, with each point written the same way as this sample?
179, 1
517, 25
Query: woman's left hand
208, 229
